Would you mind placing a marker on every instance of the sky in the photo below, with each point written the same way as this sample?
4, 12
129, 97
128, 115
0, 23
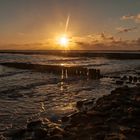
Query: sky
93, 24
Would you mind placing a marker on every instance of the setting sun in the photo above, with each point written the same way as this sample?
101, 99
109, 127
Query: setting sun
63, 41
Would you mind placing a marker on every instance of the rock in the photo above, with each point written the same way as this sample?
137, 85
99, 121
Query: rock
136, 132
128, 82
111, 119
115, 136
54, 118
56, 137
17, 133
89, 103
34, 125
130, 78
124, 78
93, 113
57, 131
138, 73
138, 84
80, 118
99, 136
79, 104
65, 119
2, 137
135, 79
125, 130
40, 133
135, 112
119, 82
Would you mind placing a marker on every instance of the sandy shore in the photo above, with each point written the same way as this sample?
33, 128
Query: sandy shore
113, 117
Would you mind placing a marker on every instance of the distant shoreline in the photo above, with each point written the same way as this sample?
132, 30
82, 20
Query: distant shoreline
68, 50
79, 53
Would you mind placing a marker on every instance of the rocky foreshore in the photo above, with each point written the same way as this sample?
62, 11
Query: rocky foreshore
113, 117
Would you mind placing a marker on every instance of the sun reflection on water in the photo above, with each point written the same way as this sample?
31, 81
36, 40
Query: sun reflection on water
62, 64
61, 86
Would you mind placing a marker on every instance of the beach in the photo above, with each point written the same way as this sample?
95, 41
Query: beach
113, 117
34, 88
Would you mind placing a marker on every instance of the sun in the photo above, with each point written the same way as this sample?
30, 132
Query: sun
63, 41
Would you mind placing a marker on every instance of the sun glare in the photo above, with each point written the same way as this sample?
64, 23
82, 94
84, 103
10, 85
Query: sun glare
63, 41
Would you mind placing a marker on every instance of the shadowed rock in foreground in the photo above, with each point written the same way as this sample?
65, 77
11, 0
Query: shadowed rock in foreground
113, 117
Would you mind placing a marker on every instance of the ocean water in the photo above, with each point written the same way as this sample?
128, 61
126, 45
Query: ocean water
26, 95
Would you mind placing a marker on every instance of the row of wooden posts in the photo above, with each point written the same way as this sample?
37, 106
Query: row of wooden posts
58, 69
83, 72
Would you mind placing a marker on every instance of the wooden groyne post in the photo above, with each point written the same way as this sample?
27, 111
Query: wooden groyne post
58, 69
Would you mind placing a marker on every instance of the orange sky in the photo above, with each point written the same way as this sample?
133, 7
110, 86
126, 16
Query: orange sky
92, 24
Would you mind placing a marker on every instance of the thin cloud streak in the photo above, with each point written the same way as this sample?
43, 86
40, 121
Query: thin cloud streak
125, 30
135, 18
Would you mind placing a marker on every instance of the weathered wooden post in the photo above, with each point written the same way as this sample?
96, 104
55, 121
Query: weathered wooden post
135, 79
97, 74
130, 78
91, 73
84, 72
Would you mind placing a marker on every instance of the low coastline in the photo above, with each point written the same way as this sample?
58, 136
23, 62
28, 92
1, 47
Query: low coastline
113, 117
109, 54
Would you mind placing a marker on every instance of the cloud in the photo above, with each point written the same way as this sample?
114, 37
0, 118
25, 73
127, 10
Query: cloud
95, 38
107, 37
26, 46
125, 30
108, 42
114, 45
100, 41
135, 18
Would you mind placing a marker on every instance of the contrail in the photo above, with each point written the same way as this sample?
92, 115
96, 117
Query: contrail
67, 23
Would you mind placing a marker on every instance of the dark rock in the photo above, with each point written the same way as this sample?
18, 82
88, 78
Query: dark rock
57, 131
128, 82
41, 133
34, 125
138, 73
124, 78
79, 104
2, 137
79, 119
99, 136
89, 103
115, 136
94, 113
119, 82
135, 79
17, 133
56, 137
138, 84
116, 77
125, 130
130, 78
65, 119
54, 118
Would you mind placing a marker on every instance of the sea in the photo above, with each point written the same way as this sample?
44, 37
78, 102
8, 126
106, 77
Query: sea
27, 95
